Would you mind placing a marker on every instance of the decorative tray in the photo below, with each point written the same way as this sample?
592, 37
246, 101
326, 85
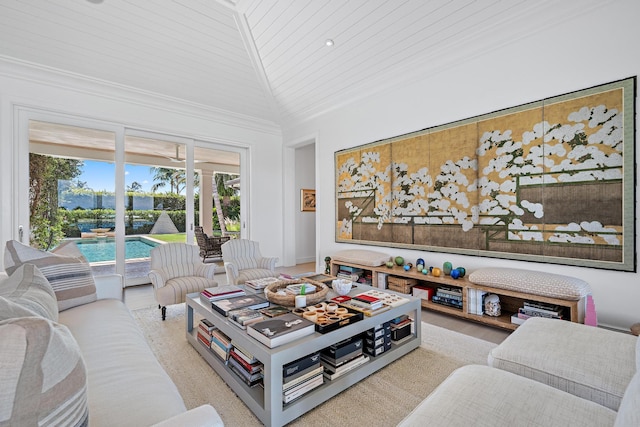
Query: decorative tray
276, 294
326, 321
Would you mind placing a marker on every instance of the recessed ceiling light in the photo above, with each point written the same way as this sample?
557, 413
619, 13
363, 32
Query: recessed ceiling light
329, 42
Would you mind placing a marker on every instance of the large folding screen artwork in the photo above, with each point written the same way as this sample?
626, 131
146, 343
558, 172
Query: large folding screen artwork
549, 181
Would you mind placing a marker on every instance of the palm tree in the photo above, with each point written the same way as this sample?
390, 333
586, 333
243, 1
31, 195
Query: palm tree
174, 177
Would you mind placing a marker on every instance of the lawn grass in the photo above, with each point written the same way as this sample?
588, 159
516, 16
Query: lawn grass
170, 238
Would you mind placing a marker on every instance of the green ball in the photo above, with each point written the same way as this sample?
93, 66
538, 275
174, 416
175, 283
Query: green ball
399, 261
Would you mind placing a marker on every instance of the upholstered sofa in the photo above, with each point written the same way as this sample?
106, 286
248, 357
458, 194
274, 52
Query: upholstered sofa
80, 360
548, 372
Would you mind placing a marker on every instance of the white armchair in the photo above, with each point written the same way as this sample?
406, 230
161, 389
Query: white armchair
243, 261
177, 270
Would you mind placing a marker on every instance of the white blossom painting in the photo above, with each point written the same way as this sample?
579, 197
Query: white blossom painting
550, 181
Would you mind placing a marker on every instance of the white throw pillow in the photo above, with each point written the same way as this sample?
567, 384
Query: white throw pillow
27, 293
70, 277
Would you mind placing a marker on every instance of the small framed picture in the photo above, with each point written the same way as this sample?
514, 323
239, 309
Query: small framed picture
307, 200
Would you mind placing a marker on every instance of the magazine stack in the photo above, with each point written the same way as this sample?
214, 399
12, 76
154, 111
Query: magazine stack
205, 328
449, 296
342, 357
220, 344
246, 366
401, 328
537, 309
301, 376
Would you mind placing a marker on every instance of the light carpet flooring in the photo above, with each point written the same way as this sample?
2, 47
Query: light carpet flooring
382, 399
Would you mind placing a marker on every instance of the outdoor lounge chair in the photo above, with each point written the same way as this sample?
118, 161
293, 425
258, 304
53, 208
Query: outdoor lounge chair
210, 247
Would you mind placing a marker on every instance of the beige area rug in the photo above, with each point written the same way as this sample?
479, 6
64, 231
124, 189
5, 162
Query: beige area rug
382, 399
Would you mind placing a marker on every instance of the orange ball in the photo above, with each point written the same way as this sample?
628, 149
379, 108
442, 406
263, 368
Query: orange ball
436, 271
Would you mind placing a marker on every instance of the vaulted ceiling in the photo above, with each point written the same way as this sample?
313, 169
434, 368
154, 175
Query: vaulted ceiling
266, 60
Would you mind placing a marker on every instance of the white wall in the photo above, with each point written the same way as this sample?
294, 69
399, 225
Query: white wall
305, 221
589, 49
24, 86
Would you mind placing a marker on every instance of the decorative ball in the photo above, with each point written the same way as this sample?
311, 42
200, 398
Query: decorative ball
420, 261
436, 271
399, 260
407, 267
462, 271
455, 274
446, 268
390, 264
425, 271
419, 267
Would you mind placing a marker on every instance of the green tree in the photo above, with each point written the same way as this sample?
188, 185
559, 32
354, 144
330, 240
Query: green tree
46, 221
176, 178
134, 186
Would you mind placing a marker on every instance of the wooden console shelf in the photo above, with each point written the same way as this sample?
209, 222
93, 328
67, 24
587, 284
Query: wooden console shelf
510, 300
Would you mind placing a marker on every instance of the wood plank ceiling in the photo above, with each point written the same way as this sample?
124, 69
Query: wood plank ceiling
266, 60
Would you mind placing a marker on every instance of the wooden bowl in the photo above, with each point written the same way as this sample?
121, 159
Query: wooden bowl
288, 300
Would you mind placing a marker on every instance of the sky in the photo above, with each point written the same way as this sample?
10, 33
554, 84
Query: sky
101, 175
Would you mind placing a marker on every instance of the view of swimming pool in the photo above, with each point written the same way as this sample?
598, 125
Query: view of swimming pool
104, 249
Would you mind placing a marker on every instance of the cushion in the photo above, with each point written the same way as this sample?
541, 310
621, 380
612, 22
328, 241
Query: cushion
480, 396
43, 376
361, 257
27, 293
563, 355
628, 414
532, 282
70, 277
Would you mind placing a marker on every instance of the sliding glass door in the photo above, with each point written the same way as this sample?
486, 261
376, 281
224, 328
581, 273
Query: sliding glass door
111, 194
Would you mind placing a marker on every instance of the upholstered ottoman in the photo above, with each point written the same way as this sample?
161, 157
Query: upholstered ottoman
480, 396
593, 363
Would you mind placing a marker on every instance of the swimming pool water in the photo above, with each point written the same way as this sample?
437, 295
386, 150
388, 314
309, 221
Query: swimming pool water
104, 249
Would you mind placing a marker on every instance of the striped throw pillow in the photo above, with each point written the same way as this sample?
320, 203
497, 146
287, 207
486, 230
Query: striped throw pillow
70, 277
27, 293
43, 375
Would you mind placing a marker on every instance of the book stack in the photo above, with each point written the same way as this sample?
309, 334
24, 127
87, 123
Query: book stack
244, 316
377, 340
220, 344
350, 273
449, 296
246, 366
205, 328
224, 306
275, 311
538, 309
209, 295
301, 376
401, 328
296, 289
475, 301
280, 330
387, 298
368, 302
342, 357
261, 283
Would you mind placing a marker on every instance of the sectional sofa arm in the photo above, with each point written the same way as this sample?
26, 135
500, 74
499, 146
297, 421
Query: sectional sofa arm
202, 416
109, 286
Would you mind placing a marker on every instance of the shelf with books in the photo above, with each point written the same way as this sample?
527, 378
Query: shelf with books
267, 403
427, 286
